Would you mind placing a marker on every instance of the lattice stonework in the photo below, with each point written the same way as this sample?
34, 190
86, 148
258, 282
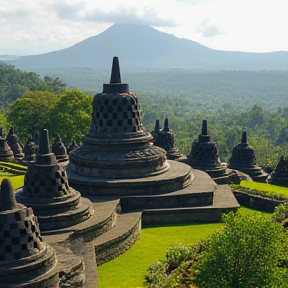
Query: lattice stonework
115, 113
19, 235
46, 182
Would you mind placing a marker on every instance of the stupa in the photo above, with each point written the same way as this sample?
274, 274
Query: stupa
15, 145
73, 145
280, 175
166, 140
6, 154
243, 159
47, 191
60, 151
24, 257
204, 155
156, 130
30, 150
117, 144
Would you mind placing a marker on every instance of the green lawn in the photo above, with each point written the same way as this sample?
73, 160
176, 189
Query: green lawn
266, 188
128, 270
16, 180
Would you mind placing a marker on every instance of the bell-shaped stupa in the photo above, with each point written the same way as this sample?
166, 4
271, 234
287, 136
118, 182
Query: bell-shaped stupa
24, 257
280, 175
15, 145
47, 191
30, 150
60, 151
243, 159
166, 140
6, 154
204, 156
117, 144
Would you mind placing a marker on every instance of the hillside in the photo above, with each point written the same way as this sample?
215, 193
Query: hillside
143, 47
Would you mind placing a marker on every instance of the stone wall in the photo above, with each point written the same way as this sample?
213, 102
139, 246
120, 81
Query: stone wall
117, 246
181, 216
256, 201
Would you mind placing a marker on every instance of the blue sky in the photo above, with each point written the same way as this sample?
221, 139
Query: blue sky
34, 27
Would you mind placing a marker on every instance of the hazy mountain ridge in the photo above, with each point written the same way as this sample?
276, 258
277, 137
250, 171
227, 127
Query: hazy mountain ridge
143, 47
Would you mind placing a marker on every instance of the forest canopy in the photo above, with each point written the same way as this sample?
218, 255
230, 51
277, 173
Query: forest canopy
262, 111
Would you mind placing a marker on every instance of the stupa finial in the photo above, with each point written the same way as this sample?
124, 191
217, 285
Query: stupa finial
44, 156
204, 128
11, 131
115, 72
7, 196
115, 85
157, 127
244, 138
44, 142
166, 127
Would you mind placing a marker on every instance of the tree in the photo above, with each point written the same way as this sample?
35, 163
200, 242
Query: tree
71, 116
244, 254
249, 251
32, 112
14, 83
3, 121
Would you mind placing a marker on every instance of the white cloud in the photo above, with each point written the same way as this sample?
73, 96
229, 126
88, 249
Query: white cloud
42, 26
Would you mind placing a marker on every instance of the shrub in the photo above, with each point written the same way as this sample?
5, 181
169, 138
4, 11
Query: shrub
249, 251
246, 253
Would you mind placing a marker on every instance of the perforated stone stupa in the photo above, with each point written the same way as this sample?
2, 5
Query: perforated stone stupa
117, 144
24, 257
30, 150
47, 191
204, 155
6, 154
165, 139
243, 159
15, 145
280, 175
60, 151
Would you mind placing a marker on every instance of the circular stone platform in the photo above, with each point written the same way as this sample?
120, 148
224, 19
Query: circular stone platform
177, 177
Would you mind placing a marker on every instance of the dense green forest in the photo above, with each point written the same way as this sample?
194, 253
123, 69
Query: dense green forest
14, 83
208, 91
257, 103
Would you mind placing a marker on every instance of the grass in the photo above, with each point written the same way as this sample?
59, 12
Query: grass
266, 189
128, 270
17, 181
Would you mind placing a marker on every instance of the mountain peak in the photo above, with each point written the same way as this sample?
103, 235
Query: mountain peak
140, 46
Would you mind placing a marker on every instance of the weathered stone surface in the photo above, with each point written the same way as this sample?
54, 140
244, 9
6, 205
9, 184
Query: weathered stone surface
166, 140
15, 145
60, 151
280, 175
6, 154
204, 155
117, 145
24, 257
47, 191
244, 160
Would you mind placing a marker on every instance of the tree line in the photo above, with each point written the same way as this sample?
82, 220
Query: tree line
68, 113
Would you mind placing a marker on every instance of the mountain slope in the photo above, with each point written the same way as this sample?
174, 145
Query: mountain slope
143, 47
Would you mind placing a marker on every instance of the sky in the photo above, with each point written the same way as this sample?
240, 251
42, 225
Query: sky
34, 27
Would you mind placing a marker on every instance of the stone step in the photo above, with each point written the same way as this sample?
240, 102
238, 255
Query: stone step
176, 178
200, 193
223, 201
119, 239
101, 221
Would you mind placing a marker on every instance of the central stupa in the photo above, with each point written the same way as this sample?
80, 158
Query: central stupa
117, 144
